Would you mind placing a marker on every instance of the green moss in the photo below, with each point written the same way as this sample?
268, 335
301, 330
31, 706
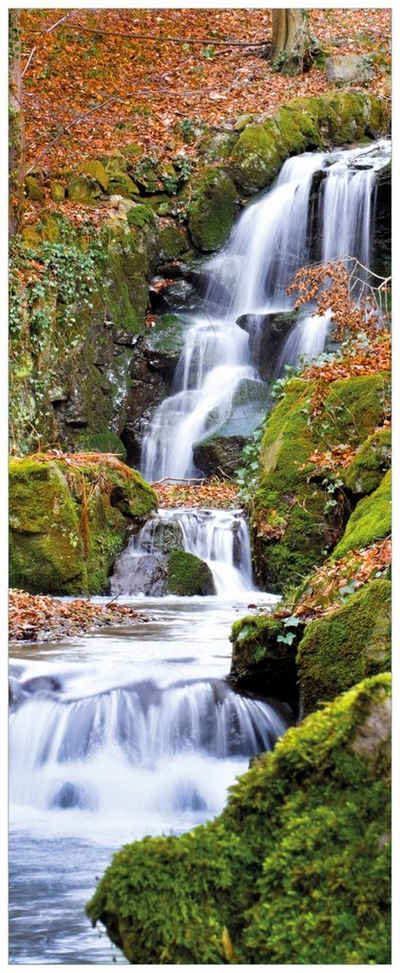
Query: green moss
288, 498
345, 647
83, 189
94, 168
55, 546
172, 240
295, 870
57, 190
372, 460
33, 189
212, 208
369, 522
333, 118
188, 575
263, 656
103, 441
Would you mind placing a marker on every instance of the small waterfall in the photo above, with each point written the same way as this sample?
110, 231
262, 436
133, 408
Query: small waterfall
134, 750
217, 388
219, 537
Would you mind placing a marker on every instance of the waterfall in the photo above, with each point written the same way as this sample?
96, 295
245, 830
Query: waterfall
219, 537
217, 387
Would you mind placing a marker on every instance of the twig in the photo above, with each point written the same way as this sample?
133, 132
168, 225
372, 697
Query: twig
160, 40
47, 31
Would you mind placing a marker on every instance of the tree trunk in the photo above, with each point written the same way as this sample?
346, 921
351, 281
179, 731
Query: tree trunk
16, 126
291, 40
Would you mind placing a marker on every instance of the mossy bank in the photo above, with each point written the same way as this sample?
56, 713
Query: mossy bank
295, 870
69, 519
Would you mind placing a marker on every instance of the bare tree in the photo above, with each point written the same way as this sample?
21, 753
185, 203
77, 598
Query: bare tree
16, 123
291, 40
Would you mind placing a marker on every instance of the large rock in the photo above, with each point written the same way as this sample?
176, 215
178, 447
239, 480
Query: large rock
372, 460
188, 575
163, 344
346, 68
340, 649
219, 454
69, 520
263, 657
295, 869
267, 333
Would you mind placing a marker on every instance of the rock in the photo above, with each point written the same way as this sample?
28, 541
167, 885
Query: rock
163, 344
216, 146
340, 649
262, 878
179, 295
212, 207
304, 123
83, 189
173, 241
145, 574
345, 68
260, 663
219, 454
370, 521
94, 168
69, 523
188, 575
33, 189
266, 335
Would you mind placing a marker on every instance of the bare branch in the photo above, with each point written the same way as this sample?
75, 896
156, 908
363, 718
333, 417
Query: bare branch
228, 42
48, 30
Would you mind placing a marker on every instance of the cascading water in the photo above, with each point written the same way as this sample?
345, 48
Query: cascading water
135, 730
270, 241
219, 537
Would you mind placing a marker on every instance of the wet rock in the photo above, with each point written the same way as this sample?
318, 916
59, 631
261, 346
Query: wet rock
188, 575
267, 333
163, 344
180, 294
144, 574
219, 454
37, 684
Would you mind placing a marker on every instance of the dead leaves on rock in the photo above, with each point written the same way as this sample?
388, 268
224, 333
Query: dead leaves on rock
41, 617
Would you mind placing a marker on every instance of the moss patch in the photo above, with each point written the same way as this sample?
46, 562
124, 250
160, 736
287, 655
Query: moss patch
293, 526
68, 523
295, 870
371, 461
340, 649
188, 575
370, 521
263, 659
212, 202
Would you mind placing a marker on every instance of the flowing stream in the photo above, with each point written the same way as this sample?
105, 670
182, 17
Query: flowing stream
135, 730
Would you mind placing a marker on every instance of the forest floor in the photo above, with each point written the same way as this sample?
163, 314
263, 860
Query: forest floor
41, 618
102, 79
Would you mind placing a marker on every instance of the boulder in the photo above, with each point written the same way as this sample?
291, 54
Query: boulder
70, 519
295, 868
347, 68
372, 460
370, 521
267, 333
188, 575
263, 657
219, 454
163, 344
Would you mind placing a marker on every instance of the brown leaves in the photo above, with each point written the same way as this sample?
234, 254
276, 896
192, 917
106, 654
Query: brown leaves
33, 617
356, 359
211, 493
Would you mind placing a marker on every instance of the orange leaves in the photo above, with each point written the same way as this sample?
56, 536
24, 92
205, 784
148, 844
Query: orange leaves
328, 285
334, 581
357, 358
337, 456
33, 617
210, 493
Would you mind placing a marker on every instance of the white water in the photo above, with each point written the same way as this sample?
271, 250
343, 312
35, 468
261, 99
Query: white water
219, 537
129, 732
270, 241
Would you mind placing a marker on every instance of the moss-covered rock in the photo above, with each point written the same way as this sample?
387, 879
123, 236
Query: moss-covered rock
212, 200
83, 189
293, 525
173, 241
34, 189
163, 343
69, 520
188, 575
263, 656
371, 461
304, 123
94, 168
219, 454
295, 870
370, 521
340, 649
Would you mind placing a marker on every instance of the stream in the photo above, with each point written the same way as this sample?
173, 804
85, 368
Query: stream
134, 730
131, 731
